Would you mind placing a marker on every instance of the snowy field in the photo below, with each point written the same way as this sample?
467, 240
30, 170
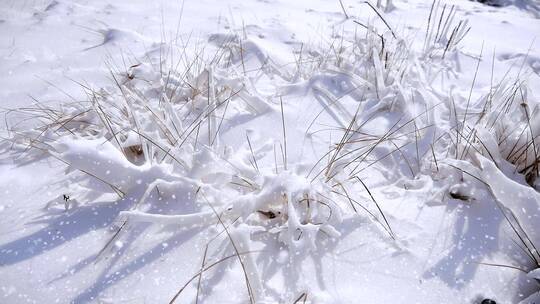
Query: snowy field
269, 151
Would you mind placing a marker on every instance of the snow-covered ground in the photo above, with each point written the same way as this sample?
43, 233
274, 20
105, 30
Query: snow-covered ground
269, 151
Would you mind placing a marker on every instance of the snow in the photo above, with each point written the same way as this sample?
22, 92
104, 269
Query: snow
269, 151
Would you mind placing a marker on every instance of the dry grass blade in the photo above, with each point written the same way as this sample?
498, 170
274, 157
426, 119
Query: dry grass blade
378, 207
284, 134
472, 86
201, 273
302, 297
503, 266
381, 17
252, 154
210, 266
252, 300
343, 9
114, 237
